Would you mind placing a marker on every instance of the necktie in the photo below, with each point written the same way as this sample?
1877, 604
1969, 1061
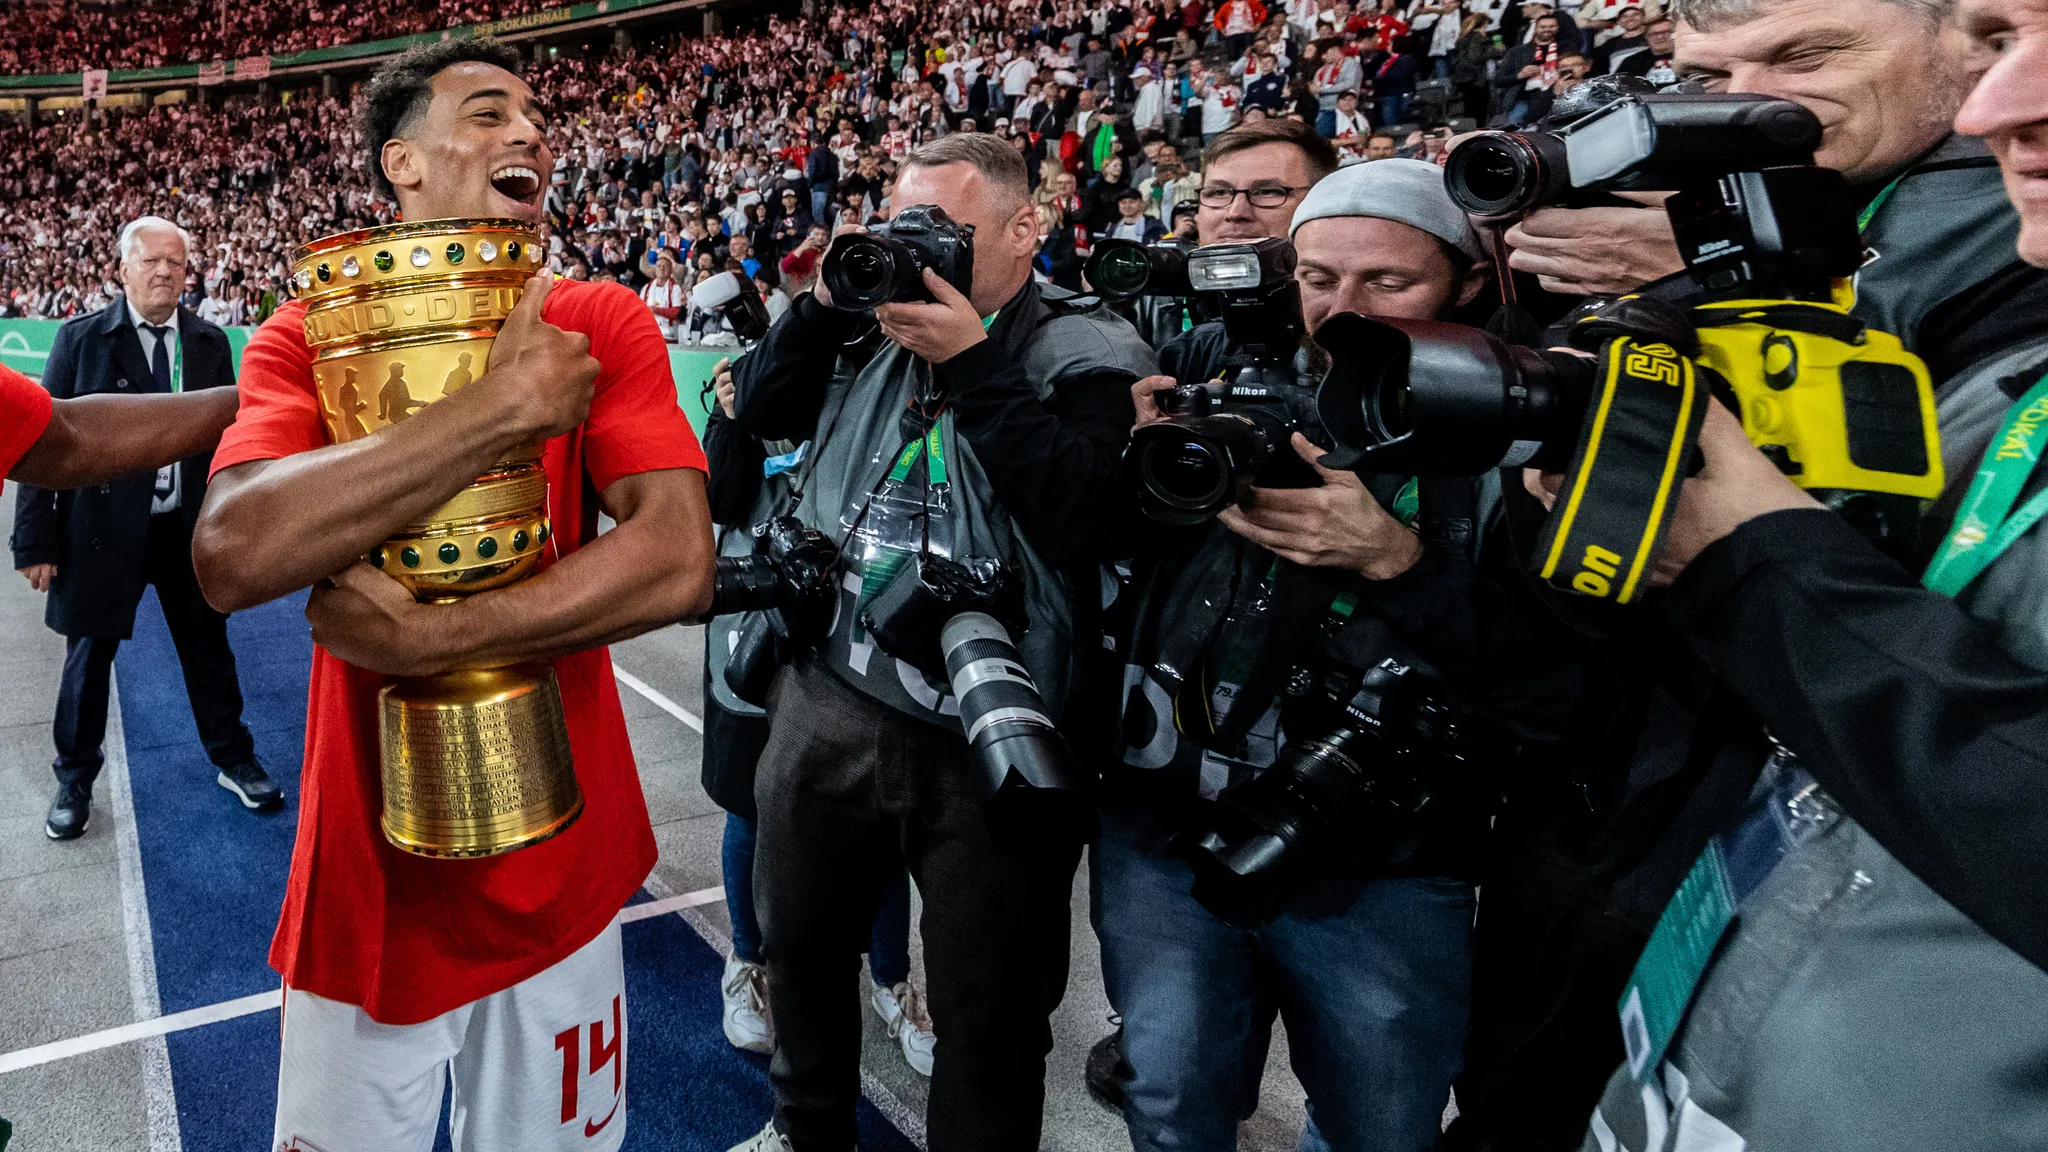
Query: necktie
160, 360
160, 371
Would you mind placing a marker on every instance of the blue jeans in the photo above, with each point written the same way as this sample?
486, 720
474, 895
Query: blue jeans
1392, 108
1326, 123
821, 199
1373, 985
888, 943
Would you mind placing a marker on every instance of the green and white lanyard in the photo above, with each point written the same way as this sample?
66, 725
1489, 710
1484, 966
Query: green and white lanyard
881, 569
1986, 525
1660, 990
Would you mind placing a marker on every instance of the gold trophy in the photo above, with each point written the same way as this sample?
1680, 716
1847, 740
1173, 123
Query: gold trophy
476, 762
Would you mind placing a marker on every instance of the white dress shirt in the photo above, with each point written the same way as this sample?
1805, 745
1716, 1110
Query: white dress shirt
168, 478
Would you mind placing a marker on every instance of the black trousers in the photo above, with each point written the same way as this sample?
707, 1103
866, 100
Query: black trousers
201, 636
849, 790
1549, 967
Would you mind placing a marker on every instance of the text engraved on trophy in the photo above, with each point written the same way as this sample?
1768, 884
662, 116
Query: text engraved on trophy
346, 320
470, 764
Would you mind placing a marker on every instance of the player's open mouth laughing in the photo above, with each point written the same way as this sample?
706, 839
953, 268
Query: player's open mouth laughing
519, 184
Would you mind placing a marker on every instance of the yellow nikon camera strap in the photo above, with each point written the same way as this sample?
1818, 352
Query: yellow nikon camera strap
1634, 452
1986, 525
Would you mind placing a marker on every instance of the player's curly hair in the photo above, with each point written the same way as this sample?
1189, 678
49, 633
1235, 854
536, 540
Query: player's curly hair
400, 91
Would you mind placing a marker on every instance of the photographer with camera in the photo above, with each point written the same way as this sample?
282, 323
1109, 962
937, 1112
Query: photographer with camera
1253, 178
1879, 901
966, 476
1885, 79
1300, 801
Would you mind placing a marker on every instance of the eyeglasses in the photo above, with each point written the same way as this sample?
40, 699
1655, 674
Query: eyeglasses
1262, 196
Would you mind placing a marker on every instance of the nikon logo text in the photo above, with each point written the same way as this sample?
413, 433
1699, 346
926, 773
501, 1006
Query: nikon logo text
1596, 572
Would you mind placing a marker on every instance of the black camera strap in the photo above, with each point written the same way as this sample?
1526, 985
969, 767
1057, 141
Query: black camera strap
1634, 452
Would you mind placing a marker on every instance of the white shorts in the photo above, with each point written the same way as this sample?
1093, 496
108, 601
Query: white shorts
538, 1067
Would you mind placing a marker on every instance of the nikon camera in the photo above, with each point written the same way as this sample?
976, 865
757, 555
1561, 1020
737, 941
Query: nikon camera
1224, 437
1368, 752
1769, 243
886, 263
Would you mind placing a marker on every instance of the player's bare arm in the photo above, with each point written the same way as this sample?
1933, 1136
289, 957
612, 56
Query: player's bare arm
653, 569
94, 439
272, 527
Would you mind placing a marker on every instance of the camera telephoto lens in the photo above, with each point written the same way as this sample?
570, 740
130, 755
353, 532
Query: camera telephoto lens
1031, 795
1189, 471
1429, 399
1498, 174
865, 269
1257, 841
1120, 270
745, 584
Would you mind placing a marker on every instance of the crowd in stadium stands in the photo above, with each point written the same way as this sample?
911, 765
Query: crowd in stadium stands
39, 36
705, 154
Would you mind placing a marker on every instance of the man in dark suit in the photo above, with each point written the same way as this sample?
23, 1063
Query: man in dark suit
93, 549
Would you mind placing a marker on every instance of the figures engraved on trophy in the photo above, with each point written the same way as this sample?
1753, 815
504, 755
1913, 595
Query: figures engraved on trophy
457, 378
350, 400
394, 401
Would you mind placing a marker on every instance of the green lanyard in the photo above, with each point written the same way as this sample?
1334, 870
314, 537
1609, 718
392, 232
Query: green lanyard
932, 448
1868, 214
1986, 525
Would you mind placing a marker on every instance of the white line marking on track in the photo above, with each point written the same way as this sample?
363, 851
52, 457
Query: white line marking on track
158, 1027
160, 1095
632, 912
689, 718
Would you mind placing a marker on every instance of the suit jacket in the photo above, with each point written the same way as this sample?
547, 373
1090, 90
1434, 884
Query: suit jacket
96, 536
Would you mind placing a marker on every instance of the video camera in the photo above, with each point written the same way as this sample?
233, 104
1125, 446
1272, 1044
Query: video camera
734, 296
886, 263
1223, 437
1844, 411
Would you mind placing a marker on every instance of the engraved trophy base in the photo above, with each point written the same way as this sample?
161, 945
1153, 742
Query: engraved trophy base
476, 762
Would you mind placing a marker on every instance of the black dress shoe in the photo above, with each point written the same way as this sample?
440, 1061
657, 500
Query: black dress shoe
69, 812
252, 785
1106, 1073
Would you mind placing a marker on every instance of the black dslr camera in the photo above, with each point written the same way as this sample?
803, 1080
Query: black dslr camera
886, 263
1347, 795
788, 587
1221, 438
1639, 143
954, 620
1755, 220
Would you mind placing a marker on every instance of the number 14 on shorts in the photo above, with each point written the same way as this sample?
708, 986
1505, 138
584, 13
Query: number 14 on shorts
588, 1050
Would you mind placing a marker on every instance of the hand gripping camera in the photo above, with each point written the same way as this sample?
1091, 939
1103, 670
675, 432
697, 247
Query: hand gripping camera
1844, 411
788, 588
1222, 438
886, 263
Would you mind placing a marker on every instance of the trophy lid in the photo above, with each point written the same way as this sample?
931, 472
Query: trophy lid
348, 261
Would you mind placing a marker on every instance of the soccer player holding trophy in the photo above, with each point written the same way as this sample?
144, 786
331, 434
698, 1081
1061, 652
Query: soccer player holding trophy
427, 434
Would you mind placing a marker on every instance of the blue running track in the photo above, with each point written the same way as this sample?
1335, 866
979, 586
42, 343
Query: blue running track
215, 876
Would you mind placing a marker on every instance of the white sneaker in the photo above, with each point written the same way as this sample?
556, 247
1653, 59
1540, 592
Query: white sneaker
767, 1140
904, 1018
746, 1008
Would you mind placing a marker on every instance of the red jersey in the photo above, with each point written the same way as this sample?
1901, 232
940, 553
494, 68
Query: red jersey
24, 413
407, 937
